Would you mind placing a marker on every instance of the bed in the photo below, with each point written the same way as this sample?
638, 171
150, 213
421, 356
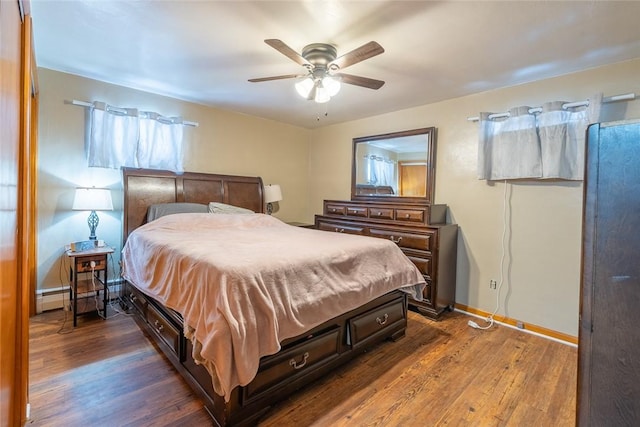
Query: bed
279, 326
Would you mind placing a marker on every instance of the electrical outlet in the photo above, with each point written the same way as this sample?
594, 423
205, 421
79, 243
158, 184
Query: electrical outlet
519, 325
492, 284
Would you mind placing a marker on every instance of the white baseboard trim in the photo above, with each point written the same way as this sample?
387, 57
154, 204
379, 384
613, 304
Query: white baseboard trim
523, 327
56, 298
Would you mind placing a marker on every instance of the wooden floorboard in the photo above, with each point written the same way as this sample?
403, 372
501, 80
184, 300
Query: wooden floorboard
107, 373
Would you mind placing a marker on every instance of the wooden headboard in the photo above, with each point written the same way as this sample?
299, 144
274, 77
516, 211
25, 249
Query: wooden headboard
146, 187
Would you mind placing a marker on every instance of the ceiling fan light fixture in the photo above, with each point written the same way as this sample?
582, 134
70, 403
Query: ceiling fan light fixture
331, 84
319, 89
304, 86
322, 94
323, 77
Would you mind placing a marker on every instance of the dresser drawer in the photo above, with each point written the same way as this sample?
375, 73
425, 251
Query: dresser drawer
357, 211
340, 228
422, 242
380, 213
427, 294
410, 215
297, 361
335, 209
367, 326
164, 329
83, 264
424, 264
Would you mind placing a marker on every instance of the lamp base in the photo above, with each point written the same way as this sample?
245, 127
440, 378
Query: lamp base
93, 221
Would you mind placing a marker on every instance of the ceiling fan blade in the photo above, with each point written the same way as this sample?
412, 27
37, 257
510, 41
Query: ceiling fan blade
360, 81
266, 79
365, 51
284, 49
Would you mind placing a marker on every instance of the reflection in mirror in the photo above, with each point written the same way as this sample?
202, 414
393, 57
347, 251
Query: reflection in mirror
396, 165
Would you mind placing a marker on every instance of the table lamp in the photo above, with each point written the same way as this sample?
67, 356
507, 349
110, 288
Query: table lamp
92, 199
272, 193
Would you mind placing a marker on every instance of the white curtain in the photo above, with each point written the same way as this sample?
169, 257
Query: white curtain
509, 148
539, 146
127, 137
113, 136
160, 144
381, 171
562, 137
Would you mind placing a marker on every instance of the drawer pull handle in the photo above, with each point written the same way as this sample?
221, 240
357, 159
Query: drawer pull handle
396, 241
158, 326
407, 216
134, 298
339, 230
379, 213
383, 320
295, 364
333, 209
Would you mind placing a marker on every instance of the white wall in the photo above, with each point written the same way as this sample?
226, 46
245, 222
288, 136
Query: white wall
542, 264
225, 142
544, 228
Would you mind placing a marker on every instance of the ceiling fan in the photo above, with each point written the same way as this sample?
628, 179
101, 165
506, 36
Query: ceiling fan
322, 78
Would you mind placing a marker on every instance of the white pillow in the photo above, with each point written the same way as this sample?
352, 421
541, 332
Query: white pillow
222, 208
162, 209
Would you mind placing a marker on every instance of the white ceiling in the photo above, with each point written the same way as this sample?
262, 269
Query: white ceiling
205, 51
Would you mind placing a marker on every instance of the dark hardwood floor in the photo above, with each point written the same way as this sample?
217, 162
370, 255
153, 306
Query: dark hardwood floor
107, 373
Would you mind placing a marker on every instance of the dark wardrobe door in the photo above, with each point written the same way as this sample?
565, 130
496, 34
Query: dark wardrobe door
609, 349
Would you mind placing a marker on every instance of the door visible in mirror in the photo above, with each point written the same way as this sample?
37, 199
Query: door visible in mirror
395, 165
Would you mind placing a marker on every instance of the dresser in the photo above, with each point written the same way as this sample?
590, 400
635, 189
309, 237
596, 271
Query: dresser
419, 229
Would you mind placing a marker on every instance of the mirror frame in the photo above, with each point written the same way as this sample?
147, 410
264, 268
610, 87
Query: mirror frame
431, 169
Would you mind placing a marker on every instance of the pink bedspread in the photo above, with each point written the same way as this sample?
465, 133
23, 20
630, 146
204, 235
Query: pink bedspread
244, 283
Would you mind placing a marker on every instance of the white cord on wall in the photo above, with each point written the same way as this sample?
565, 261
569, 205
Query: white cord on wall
95, 293
489, 318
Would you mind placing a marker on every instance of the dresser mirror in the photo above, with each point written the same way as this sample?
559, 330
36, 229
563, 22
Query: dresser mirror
396, 166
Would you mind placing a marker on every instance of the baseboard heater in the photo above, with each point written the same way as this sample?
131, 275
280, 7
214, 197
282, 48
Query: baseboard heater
55, 298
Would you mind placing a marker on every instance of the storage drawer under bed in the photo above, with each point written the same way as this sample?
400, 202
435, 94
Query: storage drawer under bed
165, 329
367, 326
296, 361
138, 300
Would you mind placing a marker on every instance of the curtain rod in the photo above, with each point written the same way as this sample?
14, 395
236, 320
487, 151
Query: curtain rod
88, 104
625, 97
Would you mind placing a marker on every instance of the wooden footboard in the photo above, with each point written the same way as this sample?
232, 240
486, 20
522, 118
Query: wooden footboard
300, 361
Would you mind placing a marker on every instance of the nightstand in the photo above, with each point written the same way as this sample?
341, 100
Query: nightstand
88, 274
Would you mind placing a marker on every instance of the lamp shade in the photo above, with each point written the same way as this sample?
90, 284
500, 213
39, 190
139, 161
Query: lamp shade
272, 193
331, 84
304, 86
92, 199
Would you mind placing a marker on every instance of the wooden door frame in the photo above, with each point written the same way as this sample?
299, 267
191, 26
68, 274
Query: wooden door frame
18, 264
